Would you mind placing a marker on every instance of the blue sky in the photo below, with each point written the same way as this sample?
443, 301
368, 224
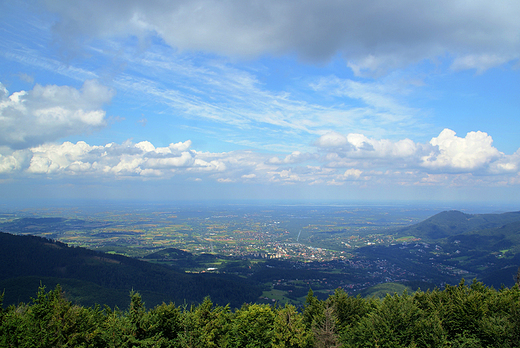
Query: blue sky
190, 100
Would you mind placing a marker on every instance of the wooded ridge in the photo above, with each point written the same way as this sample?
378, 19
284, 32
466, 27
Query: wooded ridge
29, 260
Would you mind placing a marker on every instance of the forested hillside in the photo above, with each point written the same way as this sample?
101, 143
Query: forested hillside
456, 316
28, 260
451, 223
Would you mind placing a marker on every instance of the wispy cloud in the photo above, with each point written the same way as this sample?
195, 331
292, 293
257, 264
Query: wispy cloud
212, 89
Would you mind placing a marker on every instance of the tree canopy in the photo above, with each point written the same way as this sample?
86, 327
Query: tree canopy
464, 315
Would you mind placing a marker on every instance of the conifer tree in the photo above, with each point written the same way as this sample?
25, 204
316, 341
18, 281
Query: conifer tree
324, 329
252, 327
289, 329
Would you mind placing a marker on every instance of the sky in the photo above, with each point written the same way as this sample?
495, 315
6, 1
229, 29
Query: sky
243, 99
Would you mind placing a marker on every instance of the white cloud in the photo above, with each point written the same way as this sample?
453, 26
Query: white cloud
48, 113
54, 158
380, 98
333, 182
472, 152
353, 173
229, 95
14, 161
220, 93
284, 176
506, 164
331, 139
294, 157
360, 161
480, 62
359, 146
127, 159
372, 36
180, 146
225, 180
184, 160
446, 153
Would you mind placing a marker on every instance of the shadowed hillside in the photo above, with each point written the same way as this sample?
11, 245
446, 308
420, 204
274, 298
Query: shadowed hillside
29, 256
450, 223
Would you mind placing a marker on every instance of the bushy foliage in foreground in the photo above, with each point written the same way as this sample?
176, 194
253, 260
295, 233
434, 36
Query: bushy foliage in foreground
456, 316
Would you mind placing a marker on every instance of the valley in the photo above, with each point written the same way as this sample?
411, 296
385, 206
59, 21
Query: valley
283, 250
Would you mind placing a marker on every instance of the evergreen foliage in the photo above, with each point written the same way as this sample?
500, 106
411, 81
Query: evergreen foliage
24, 259
464, 315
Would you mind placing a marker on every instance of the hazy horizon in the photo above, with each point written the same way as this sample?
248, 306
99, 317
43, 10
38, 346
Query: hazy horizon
61, 208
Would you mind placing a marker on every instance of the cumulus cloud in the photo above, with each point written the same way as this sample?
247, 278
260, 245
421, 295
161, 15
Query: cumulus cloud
506, 164
331, 139
125, 159
53, 158
472, 152
48, 113
14, 161
294, 157
372, 36
355, 145
351, 159
405, 159
353, 173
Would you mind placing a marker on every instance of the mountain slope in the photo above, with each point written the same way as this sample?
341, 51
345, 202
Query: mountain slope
25, 256
451, 223
454, 245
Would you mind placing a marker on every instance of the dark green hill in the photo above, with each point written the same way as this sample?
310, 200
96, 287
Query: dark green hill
30, 256
182, 260
169, 254
454, 245
451, 223
508, 230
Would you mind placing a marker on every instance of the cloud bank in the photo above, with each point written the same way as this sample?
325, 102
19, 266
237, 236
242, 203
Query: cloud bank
373, 37
338, 160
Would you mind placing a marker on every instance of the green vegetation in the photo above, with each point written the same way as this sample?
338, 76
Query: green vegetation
26, 260
253, 254
456, 316
21, 289
258, 274
451, 223
381, 290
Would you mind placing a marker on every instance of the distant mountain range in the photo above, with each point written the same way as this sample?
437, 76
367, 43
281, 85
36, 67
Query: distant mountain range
451, 223
96, 277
